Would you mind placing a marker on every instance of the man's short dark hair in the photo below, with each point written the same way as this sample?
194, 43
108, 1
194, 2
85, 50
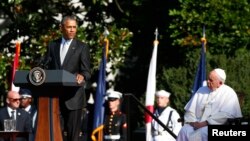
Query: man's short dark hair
68, 17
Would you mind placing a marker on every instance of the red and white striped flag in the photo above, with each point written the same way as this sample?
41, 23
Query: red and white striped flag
15, 65
151, 88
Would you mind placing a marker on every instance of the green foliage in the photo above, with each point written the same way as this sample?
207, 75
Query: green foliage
227, 24
4, 65
119, 42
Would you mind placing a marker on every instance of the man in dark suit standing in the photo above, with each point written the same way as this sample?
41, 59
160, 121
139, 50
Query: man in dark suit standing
68, 53
23, 120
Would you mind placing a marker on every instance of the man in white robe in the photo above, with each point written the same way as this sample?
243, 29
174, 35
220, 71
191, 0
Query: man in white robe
168, 116
210, 105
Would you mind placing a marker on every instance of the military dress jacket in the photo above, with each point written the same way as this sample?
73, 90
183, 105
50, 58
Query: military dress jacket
115, 127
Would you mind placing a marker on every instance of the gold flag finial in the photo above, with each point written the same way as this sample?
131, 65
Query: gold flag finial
156, 42
106, 33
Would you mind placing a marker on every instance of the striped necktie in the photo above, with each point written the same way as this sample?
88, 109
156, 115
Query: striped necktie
63, 51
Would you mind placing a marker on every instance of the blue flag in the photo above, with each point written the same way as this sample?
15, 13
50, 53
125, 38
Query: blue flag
200, 78
100, 95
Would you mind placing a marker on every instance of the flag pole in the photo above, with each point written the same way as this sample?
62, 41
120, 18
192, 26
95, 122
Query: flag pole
15, 62
200, 77
151, 87
100, 94
106, 33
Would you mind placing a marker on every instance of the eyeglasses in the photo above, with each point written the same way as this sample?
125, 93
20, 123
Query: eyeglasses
14, 99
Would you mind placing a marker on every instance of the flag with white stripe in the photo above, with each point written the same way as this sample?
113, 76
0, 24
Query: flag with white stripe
151, 88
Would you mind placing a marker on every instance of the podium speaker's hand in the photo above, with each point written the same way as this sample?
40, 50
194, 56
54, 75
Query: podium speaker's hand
79, 79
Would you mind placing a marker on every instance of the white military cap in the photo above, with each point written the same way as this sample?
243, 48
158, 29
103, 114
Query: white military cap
112, 95
221, 73
25, 93
162, 93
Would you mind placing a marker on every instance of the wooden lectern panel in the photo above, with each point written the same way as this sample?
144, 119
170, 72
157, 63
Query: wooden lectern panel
48, 124
43, 124
56, 120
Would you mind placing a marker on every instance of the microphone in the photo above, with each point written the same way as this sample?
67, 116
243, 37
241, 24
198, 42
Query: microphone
44, 62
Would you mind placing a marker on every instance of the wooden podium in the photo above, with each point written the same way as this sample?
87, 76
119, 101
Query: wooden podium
48, 122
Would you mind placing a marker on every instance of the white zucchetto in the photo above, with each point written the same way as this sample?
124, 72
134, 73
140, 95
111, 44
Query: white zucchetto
221, 73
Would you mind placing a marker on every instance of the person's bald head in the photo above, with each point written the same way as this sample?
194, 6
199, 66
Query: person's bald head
13, 99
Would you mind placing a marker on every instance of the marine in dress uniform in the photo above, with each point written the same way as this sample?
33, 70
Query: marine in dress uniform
115, 126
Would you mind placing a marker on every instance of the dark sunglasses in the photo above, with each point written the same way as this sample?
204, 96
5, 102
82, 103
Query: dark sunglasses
14, 99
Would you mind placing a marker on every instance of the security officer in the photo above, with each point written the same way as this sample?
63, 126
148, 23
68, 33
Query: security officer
115, 126
28, 105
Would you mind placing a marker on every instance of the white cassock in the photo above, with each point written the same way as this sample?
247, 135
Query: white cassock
158, 132
215, 107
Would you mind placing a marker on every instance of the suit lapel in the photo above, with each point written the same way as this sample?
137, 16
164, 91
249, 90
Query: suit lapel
6, 113
18, 119
57, 51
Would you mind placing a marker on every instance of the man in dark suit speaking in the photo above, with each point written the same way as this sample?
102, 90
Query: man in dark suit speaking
72, 55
